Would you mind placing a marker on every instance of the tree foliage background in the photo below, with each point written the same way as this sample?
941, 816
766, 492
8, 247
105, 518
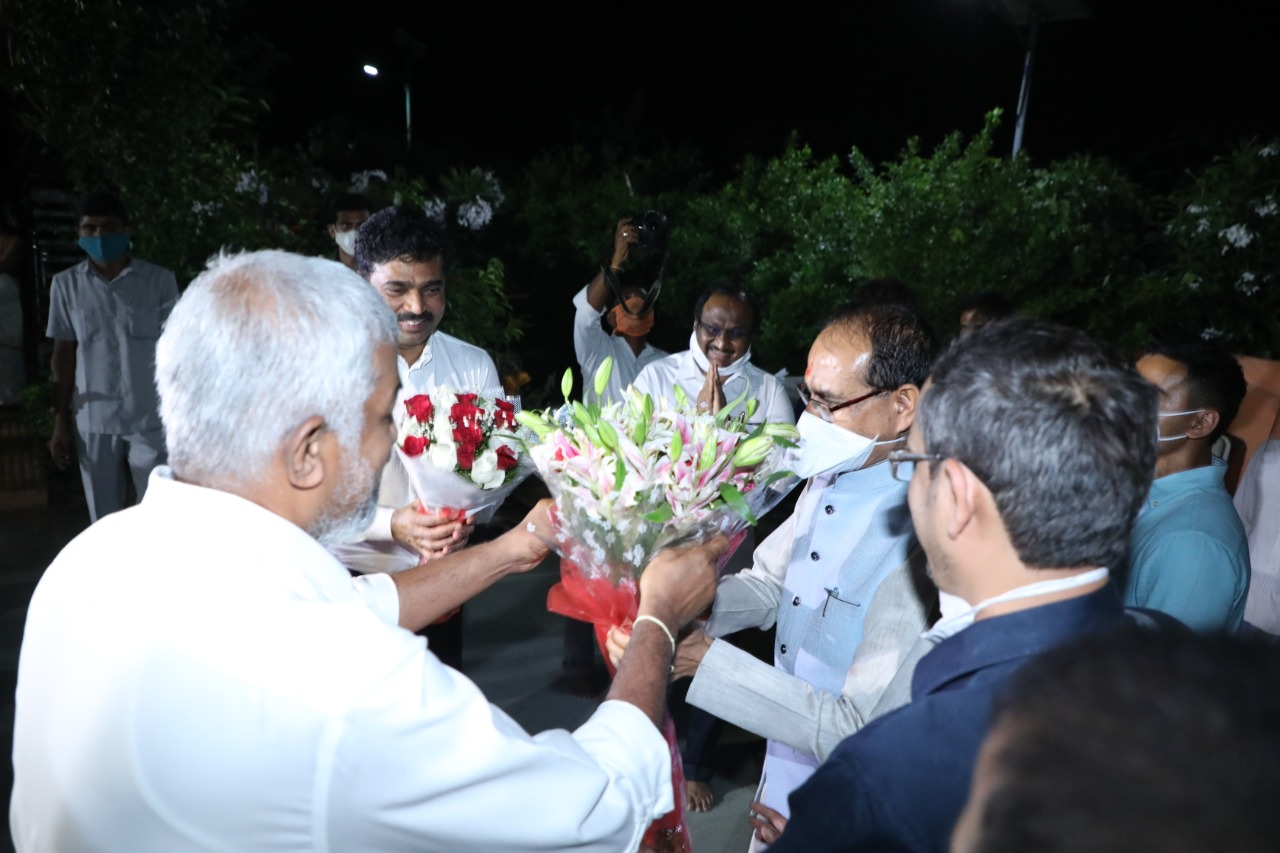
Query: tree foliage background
156, 101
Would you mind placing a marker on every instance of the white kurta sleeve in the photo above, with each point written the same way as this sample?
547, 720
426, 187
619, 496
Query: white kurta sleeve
379, 592
436, 767
61, 326
649, 382
588, 336
749, 599
776, 406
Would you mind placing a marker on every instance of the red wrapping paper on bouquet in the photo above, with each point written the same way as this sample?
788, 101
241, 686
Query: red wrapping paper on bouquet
607, 605
598, 601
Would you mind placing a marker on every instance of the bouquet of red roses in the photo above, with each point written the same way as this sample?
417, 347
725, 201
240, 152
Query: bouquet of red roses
463, 452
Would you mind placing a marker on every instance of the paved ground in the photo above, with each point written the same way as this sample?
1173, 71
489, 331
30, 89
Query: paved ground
512, 649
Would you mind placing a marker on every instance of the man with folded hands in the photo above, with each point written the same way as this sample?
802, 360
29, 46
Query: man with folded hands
199, 672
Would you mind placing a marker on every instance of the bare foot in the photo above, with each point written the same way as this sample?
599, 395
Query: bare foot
699, 796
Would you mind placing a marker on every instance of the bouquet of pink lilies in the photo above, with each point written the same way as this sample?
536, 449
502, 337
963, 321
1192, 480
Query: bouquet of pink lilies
631, 478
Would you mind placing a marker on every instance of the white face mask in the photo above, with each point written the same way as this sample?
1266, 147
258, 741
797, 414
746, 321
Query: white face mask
700, 359
960, 616
827, 449
1174, 415
346, 241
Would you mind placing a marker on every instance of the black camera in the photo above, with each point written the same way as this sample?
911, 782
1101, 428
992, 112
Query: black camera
651, 230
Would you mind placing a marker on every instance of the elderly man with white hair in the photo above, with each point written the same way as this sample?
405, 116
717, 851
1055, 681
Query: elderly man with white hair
199, 673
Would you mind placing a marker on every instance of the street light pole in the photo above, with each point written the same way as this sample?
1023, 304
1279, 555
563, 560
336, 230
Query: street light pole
372, 71
1024, 93
1031, 14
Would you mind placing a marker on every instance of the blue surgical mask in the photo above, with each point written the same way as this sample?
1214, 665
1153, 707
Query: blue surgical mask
106, 248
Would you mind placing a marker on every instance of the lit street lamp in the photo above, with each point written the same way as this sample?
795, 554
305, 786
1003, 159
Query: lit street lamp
372, 71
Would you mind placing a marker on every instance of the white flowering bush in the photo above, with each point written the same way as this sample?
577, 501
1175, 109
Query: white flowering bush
1222, 277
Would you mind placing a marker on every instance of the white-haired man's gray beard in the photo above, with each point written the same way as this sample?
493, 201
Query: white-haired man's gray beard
352, 507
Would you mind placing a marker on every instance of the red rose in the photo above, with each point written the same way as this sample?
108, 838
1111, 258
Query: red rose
466, 456
505, 416
414, 444
466, 424
467, 399
419, 408
506, 458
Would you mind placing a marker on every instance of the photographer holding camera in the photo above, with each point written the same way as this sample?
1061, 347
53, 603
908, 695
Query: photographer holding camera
614, 318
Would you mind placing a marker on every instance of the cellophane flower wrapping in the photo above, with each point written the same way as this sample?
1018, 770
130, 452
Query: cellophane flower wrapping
632, 478
463, 452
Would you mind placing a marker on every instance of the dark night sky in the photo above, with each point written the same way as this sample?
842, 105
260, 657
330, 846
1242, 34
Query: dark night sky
1157, 86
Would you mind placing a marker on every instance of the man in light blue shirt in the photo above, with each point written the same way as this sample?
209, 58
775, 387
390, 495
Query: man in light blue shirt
1188, 556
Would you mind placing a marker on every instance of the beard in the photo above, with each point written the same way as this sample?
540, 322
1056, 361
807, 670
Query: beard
352, 506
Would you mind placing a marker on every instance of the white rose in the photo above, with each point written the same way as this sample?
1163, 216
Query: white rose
505, 439
408, 427
441, 426
443, 455
444, 396
484, 471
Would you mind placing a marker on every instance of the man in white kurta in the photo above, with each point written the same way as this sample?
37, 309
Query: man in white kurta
199, 673
719, 355
405, 256
445, 360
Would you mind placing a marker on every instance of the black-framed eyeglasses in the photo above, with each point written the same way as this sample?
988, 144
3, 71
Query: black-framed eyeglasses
902, 463
826, 410
716, 331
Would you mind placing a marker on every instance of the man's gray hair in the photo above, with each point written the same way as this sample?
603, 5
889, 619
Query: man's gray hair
260, 342
1060, 429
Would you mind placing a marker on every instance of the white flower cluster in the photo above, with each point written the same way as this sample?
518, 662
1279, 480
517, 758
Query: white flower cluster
1268, 151
1245, 284
434, 209
1238, 236
1210, 333
250, 182
1267, 209
205, 208
360, 180
495, 191
474, 215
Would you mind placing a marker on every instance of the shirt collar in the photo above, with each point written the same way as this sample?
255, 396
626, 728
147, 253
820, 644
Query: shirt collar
1014, 636
91, 268
1205, 477
869, 479
423, 360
